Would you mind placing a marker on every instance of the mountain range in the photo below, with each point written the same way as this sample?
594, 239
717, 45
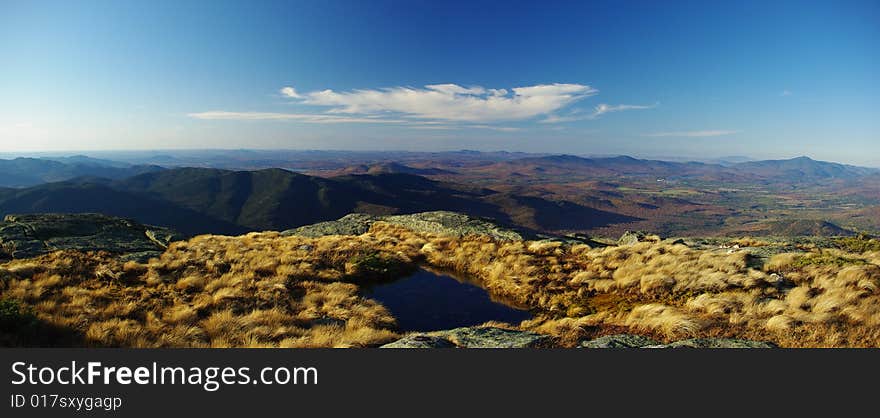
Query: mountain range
202, 200
23, 172
546, 193
798, 169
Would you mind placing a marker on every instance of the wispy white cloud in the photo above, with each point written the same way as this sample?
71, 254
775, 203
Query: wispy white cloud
785, 93
434, 127
456, 126
494, 128
599, 110
290, 92
302, 117
571, 117
603, 108
435, 106
330, 119
451, 102
456, 89
692, 134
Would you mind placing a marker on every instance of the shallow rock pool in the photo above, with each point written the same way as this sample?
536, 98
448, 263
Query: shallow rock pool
429, 301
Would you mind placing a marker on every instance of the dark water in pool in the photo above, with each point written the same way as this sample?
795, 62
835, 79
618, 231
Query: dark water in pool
428, 301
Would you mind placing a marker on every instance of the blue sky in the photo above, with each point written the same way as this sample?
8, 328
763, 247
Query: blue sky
652, 79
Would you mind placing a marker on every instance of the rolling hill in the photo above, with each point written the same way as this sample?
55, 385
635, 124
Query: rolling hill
96, 196
24, 172
259, 200
800, 169
803, 168
545, 193
202, 200
793, 228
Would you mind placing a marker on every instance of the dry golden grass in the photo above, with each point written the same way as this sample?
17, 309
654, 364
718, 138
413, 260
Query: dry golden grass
267, 290
258, 290
828, 298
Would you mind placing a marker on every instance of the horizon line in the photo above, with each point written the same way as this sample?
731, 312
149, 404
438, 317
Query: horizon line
71, 153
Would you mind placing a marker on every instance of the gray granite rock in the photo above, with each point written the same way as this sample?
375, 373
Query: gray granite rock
631, 237
26, 236
438, 222
420, 341
638, 341
715, 343
492, 337
619, 341
472, 337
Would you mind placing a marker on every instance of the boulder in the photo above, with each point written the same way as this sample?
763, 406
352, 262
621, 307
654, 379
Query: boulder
619, 341
437, 222
351, 224
637, 341
715, 343
492, 337
472, 337
420, 341
454, 224
26, 236
635, 237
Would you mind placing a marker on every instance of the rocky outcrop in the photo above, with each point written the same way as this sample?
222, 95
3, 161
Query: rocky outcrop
472, 337
351, 224
438, 222
715, 343
26, 236
493, 337
421, 341
619, 341
638, 341
634, 237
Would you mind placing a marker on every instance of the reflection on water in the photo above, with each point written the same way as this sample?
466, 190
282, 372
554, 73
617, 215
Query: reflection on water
429, 301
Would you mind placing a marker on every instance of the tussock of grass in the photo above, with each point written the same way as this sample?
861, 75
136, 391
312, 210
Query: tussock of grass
258, 290
673, 291
267, 290
749, 242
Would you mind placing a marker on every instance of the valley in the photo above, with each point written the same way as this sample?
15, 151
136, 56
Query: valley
558, 194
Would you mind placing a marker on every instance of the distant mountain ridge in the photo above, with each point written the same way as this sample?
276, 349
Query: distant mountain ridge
794, 169
24, 172
804, 167
392, 167
97, 196
797, 227
203, 200
546, 193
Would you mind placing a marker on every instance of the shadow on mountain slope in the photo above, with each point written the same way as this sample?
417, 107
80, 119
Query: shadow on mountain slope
202, 200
